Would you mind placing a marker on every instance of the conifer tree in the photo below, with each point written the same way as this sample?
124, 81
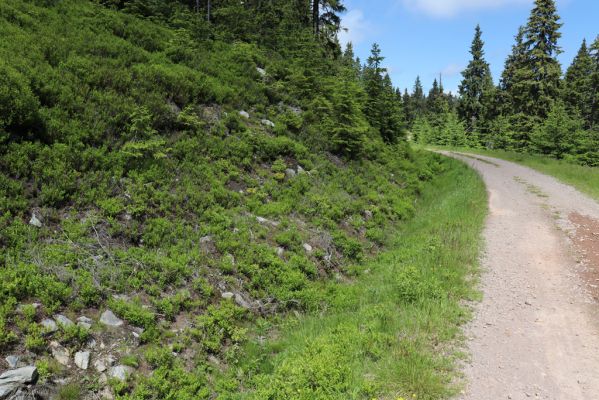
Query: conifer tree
475, 87
437, 106
418, 99
578, 90
543, 70
594, 111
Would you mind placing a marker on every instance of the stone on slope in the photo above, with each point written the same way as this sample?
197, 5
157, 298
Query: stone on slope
12, 361
82, 359
120, 372
108, 318
63, 321
49, 325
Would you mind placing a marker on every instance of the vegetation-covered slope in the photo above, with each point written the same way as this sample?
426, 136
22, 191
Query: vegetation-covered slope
197, 178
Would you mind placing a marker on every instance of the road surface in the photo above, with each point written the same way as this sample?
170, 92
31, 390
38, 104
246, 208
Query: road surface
535, 335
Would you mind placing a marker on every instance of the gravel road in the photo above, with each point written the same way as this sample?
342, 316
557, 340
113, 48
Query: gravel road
535, 335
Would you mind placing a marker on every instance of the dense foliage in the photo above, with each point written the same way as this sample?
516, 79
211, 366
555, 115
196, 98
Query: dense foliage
533, 109
158, 156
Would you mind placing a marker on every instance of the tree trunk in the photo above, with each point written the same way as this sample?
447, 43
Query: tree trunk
316, 16
208, 9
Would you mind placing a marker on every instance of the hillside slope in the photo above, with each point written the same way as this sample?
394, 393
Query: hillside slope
166, 187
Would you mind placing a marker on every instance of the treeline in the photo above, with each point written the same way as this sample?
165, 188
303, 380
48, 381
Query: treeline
534, 108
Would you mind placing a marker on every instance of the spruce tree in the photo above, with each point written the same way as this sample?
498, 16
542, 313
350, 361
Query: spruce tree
437, 106
543, 70
476, 86
578, 89
418, 99
594, 110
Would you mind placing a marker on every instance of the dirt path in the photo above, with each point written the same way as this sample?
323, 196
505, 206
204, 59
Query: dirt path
536, 332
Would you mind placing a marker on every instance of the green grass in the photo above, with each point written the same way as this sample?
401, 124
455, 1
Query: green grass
392, 333
583, 178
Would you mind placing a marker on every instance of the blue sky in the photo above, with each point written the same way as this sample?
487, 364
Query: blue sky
428, 37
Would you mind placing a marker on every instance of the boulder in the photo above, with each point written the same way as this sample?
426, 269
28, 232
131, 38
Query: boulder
308, 248
290, 173
49, 325
35, 221
60, 353
368, 214
12, 361
82, 359
261, 71
300, 170
280, 251
6, 391
244, 114
265, 221
227, 295
108, 318
63, 321
120, 372
19, 376
241, 302
102, 364
267, 122
84, 322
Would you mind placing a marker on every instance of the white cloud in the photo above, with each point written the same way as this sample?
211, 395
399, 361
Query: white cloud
355, 27
450, 8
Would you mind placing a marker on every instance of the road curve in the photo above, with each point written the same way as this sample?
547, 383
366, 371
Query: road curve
535, 335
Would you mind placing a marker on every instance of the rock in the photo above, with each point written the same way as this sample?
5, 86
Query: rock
82, 359
300, 170
19, 376
12, 361
368, 214
307, 247
106, 393
84, 322
241, 302
61, 354
280, 251
244, 114
63, 321
227, 295
174, 107
267, 122
263, 220
35, 221
136, 332
261, 71
207, 244
120, 372
108, 318
290, 173
49, 325
6, 391
102, 364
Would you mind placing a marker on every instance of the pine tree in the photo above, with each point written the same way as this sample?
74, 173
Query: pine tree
350, 127
437, 106
594, 113
557, 135
578, 90
418, 99
543, 70
374, 86
391, 118
475, 87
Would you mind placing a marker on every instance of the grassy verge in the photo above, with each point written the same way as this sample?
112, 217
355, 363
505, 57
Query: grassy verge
390, 333
585, 179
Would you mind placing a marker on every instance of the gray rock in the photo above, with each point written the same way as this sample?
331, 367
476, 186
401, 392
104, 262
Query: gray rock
227, 295
290, 173
368, 214
19, 376
244, 114
6, 391
307, 247
102, 364
120, 372
35, 221
82, 359
84, 322
12, 361
280, 251
300, 170
108, 318
49, 325
267, 122
63, 321
265, 221
61, 354
261, 71
241, 302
